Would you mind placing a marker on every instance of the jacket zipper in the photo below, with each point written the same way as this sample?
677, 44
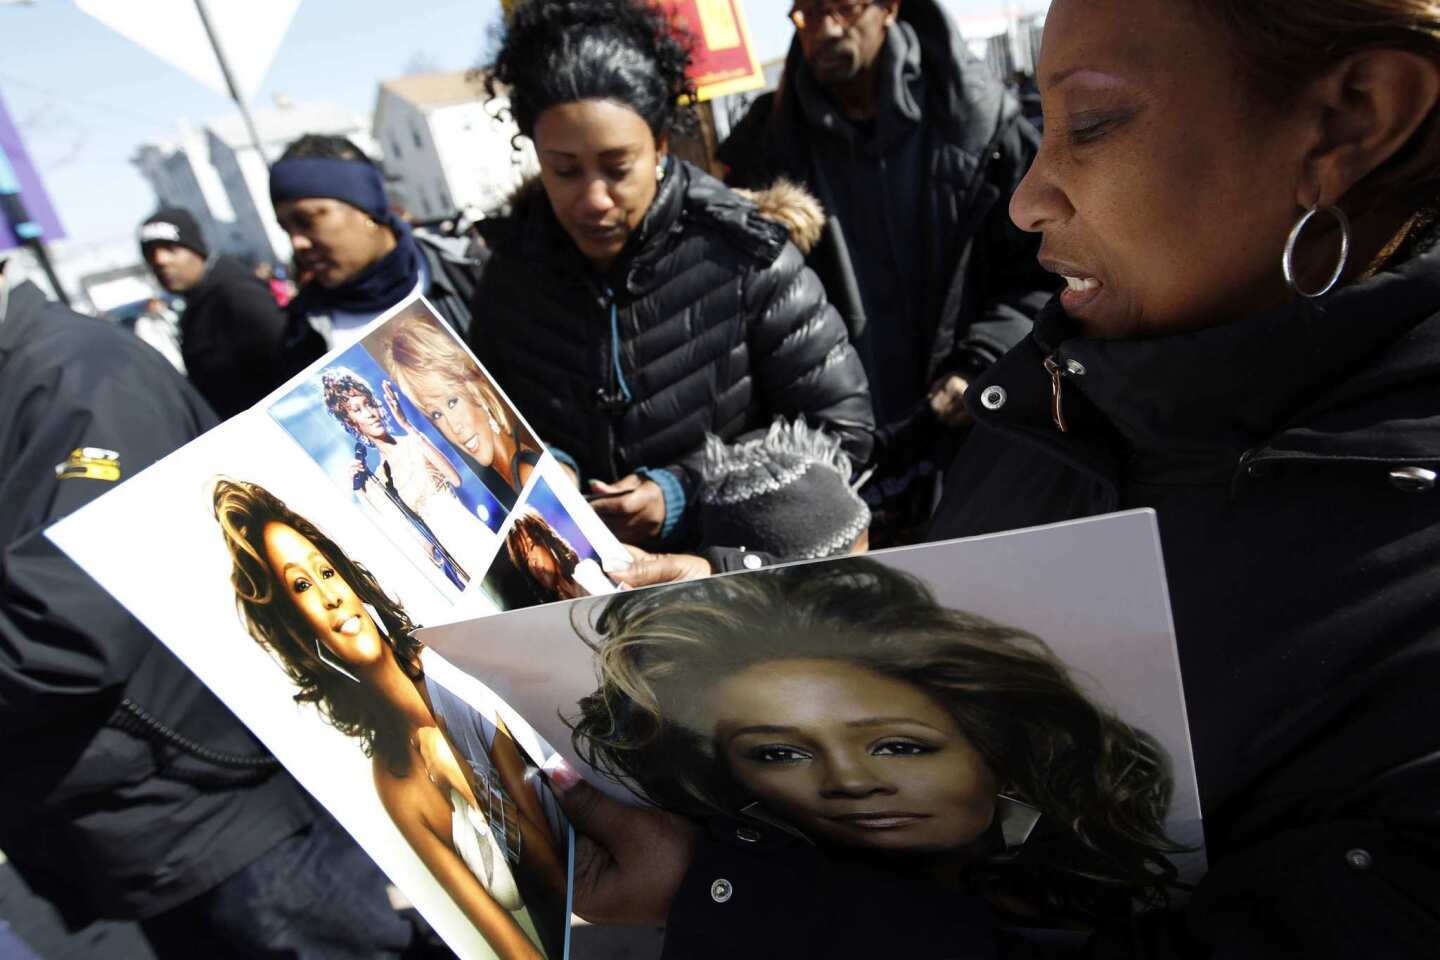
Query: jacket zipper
1057, 406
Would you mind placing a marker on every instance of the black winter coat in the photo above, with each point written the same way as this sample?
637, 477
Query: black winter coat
1291, 459
232, 338
127, 787
708, 321
977, 148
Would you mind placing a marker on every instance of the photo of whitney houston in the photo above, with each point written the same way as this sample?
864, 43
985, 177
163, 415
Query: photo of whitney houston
546, 557
842, 705
441, 379
458, 787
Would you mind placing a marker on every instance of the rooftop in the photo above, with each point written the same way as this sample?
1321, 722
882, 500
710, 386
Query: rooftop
438, 89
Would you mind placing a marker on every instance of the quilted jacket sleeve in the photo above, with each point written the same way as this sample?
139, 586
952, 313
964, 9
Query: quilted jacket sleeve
801, 356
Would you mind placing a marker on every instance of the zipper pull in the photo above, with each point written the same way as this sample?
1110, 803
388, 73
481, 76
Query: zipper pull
1057, 409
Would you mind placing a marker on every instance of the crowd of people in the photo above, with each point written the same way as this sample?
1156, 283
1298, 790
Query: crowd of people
888, 312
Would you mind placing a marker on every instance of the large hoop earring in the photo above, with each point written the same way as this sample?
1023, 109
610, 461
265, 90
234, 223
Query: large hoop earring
1287, 262
332, 664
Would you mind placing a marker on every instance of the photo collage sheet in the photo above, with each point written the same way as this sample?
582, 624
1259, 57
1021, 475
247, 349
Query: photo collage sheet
362, 566
388, 487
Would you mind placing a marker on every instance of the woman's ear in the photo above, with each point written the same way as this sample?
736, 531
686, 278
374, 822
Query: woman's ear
1368, 107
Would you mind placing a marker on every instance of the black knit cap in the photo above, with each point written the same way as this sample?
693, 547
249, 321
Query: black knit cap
172, 225
787, 494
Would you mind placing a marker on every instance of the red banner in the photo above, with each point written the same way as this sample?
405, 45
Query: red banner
724, 61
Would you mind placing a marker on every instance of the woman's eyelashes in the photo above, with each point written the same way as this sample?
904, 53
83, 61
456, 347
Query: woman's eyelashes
772, 753
302, 584
781, 753
1086, 126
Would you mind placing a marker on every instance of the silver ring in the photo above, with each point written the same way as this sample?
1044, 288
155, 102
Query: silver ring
1287, 262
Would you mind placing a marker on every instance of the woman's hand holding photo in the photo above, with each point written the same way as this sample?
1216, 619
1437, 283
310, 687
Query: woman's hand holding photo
650, 569
629, 860
633, 507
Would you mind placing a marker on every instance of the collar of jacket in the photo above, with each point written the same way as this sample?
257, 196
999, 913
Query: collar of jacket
1341, 379
900, 99
686, 193
24, 307
220, 268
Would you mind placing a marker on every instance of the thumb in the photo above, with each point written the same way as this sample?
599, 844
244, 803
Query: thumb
588, 810
609, 489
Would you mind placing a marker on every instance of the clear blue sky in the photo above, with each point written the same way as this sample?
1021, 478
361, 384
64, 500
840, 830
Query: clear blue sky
85, 97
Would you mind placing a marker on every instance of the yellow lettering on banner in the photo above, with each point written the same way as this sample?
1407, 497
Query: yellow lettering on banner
717, 22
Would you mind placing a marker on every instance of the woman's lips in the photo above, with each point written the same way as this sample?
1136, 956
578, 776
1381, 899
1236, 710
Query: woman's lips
473, 444
351, 627
882, 820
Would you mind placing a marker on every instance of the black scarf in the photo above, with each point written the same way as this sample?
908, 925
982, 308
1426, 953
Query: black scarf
375, 289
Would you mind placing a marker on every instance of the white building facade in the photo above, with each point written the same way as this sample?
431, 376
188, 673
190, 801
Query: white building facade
447, 146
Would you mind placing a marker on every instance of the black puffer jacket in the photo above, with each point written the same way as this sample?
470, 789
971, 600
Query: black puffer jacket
709, 321
1291, 459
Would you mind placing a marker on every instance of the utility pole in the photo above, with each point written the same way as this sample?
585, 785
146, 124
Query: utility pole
200, 7
12, 207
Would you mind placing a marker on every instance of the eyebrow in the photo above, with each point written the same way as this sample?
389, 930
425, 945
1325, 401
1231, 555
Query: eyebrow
863, 722
610, 154
316, 555
1084, 72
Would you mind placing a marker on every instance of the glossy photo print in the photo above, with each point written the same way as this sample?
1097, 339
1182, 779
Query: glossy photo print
304, 620
385, 453
438, 376
552, 548
916, 719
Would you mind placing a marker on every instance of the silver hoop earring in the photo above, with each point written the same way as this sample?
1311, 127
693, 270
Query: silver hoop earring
1287, 262
320, 652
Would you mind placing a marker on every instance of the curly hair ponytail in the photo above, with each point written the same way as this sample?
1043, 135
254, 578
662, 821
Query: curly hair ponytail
562, 51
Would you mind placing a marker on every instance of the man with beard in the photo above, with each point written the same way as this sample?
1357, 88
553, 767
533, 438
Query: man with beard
915, 148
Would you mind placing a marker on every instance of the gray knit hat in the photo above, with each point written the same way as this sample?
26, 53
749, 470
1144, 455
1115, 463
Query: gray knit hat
787, 494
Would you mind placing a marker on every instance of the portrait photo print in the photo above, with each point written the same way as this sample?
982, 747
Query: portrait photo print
914, 707
310, 619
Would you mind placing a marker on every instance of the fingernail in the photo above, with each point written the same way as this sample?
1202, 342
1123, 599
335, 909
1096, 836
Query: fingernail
614, 564
560, 774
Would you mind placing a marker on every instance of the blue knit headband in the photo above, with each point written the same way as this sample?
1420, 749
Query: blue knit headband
355, 182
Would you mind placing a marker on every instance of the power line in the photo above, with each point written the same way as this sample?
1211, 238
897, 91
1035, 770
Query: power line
107, 108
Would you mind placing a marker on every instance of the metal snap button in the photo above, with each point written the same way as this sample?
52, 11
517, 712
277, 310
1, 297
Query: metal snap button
752, 562
1412, 479
748, 834
993, 398
1075, 368
721, 890
1358, 859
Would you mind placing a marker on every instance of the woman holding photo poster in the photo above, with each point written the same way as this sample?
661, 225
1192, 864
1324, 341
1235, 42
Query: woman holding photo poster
478, 826
413, 475
632, 303
860, 751
1242, 196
